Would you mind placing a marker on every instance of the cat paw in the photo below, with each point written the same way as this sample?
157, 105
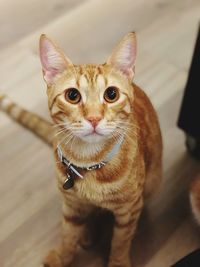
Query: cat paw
53, 260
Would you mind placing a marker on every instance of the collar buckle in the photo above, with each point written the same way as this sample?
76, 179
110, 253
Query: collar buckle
96, 166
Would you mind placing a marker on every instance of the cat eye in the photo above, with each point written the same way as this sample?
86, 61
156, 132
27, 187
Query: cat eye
73, 96
111, 94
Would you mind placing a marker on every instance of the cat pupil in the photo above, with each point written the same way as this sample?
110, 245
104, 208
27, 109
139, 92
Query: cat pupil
73, 94
111, 93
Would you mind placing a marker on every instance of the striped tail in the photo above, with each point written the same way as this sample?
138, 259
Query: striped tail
33, 122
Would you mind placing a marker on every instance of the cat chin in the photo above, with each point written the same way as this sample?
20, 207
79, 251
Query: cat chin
93, 138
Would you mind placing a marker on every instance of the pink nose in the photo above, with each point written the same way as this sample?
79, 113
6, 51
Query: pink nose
94, 121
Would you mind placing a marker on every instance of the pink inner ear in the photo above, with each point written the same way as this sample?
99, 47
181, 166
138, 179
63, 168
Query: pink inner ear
124, 55
53, 62
125, 58
50, 75
44, 51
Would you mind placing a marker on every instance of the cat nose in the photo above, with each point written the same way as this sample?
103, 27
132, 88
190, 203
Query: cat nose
94, 120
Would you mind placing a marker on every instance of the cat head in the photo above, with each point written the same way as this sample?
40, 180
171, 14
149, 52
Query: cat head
93, 102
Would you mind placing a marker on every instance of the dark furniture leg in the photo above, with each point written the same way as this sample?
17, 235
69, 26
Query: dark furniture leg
189, 117
192, 260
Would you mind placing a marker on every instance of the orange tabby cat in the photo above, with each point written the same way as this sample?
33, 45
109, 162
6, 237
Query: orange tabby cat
108, 147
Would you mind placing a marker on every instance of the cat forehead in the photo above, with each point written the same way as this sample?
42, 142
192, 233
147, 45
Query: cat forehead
90, 76
100, 75
90, 69
89, 73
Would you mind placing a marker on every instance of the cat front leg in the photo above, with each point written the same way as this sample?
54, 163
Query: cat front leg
126, 220
73, 226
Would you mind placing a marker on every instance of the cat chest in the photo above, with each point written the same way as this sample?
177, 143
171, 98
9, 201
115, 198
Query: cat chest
101, 187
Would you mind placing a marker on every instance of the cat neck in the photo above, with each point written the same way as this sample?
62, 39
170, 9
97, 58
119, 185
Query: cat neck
86, 154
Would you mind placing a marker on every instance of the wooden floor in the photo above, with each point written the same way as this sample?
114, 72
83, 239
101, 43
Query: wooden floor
87, 30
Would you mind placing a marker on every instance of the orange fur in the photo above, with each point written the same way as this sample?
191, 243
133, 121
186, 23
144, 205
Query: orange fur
124, 183
32, 121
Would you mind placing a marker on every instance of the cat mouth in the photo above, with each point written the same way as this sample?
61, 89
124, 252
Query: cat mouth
94, 133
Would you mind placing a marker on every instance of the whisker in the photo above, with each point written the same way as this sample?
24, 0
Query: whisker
67, 136
73, 139
127, 123
60, 132
60, 124
128, 128
70, 138
128, 131
125, 134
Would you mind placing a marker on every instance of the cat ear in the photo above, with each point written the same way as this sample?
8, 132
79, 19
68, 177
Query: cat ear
52, 58
124, 55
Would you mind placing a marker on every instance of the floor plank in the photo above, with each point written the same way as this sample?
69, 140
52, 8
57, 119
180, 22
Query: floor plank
19, 18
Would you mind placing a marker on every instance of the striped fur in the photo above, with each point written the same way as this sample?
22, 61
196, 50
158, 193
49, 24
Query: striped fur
126, 181
33, 122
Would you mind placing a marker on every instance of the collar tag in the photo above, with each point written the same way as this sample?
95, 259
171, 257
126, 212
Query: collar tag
69, 182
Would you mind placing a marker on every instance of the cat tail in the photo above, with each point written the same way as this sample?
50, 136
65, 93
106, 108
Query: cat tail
33, 122
195, 198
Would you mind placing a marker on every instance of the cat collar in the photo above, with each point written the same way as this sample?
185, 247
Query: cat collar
74, 171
